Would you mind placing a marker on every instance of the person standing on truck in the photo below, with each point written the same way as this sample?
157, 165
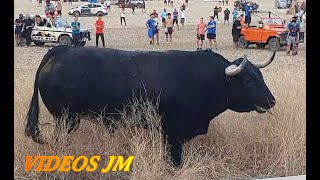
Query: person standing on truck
236, 31
247, 19
59, 8
293, 37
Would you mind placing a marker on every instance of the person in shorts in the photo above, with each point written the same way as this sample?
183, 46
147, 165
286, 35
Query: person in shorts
18, 30
164, 15
169, 28
175, 17
211, 32
236, 31
201, 29
50, 10
293, 37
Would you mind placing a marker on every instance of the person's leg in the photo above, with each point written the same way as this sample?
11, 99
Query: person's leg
167, 37
170, 36
121, 20
294, 46
201, 43
97, 40
224, 22
102, 38
288, 45
125, 23
28, 37
228, 22
157, 36
210, 43
215, 43
198, 43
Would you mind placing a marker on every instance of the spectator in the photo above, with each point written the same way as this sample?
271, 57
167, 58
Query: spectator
151, 28
201, 28
169, 28
59, 8
216, 12
171, 3
175, 17
293, 37
182, 17
49, 10
123, 17
227, 2
226, 16
156, 29
40, 3
236, 31
108, 4
234, 14
183, 7
143, 7
247, 19
27, 29
211, 32
17, 31
75, 26
99, 30
186, 2
38, 21
70, 2
164, 15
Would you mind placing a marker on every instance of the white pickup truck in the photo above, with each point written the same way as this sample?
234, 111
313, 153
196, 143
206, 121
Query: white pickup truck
56, 32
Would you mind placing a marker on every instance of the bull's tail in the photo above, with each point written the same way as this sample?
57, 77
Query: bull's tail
32, 130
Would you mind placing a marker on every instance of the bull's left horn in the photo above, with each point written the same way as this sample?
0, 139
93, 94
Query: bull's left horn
265, 64
233, 69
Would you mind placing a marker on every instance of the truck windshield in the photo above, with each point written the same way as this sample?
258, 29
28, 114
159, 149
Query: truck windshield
61, 22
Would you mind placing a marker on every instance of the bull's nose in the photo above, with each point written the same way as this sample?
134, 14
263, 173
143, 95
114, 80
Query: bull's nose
272, 103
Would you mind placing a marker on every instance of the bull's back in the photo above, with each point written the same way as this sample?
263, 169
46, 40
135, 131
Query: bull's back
83, 79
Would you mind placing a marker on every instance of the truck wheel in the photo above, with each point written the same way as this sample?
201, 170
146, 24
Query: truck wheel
39, 43
274, 44
65, 40
139, 5
243, 43
261, 45
76, 13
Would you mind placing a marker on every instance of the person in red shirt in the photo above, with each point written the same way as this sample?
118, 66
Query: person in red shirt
99, 30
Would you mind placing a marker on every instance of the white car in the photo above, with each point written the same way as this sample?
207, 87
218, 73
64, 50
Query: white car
57, 32
88, 9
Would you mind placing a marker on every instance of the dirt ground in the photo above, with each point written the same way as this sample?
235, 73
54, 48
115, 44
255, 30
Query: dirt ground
285, 78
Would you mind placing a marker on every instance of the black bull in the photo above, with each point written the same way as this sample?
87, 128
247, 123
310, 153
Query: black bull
195, 87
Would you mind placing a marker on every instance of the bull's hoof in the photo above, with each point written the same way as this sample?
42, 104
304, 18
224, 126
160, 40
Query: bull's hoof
36, 137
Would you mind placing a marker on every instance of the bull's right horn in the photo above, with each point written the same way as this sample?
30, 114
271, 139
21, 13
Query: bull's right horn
233, 69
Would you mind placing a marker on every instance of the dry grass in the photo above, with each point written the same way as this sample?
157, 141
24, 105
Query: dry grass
237, 146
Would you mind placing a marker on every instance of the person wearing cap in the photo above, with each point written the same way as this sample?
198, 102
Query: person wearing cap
151, 28
293, 37
201, 29
17, 31
99, 30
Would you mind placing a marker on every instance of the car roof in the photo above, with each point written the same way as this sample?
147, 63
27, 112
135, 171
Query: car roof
93, 3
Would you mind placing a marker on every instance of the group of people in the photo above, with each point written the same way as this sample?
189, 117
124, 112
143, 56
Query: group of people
168, 21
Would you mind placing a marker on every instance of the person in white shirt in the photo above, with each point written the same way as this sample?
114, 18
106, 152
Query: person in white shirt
108, 4
182, 17
122, 17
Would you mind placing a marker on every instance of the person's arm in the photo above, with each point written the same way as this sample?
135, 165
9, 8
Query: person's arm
78, 26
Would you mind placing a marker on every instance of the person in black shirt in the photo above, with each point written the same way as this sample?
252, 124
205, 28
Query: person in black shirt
215, 12
236, 31
17, 32
27, 29
226, 16
38, 21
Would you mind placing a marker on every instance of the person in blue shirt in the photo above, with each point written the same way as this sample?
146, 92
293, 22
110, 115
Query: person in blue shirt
293, 37
75, 26
151, 28
164, 15
234, 14
247, 19
211, 32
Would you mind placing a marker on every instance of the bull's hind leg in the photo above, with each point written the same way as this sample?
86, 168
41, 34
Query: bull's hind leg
69, 125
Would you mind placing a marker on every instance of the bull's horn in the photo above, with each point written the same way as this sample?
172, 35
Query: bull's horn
233, 69
262, 65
